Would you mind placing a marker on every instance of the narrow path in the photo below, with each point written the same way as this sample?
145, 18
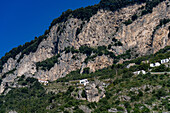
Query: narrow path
159, 73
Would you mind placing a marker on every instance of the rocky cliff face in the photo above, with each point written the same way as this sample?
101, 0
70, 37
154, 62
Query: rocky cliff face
100, 30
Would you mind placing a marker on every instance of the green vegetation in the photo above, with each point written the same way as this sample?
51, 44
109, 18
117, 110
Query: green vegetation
122, 81
48, 63
117, 4
34, 97
25, 99
81, 13
128, 22
161, 68
134, 17
86, 13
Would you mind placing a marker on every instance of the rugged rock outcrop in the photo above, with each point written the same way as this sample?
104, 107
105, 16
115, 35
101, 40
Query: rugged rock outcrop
85, 109
92, 92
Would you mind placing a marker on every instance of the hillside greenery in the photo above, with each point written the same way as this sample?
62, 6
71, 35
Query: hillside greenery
34, 97
86, 13
48, 63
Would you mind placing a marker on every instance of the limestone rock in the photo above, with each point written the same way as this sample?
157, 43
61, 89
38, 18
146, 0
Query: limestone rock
85, 109
94, 91
98, 31
10, 65
100, 62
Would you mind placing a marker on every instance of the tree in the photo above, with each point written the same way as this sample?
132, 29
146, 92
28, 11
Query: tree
134, 17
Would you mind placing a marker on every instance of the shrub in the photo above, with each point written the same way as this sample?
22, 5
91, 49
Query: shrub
48, 63
84, 94
31, 80
140, 93
120, 108
109, 46
85, 50
118, 43
127, 22
86, 70
161, 68
134, 17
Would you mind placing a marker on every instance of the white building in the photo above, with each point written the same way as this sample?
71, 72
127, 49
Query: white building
45, 82
152, 65
138, 72
157, 64
84, 82
164, 61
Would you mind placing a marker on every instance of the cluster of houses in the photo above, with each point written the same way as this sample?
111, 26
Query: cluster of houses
85, 81
163, 61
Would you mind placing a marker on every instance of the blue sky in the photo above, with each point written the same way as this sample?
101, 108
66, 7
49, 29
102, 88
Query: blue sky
22, 20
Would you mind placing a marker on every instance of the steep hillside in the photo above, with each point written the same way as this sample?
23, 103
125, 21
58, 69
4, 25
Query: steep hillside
116, 88
94, 37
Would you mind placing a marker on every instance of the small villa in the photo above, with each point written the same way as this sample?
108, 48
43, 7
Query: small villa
45, 82
155, 64
165, 61
152, 65
84, 82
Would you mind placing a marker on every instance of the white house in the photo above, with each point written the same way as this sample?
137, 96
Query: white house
143, 71
157, 64
45, 82
164, 61
84, 82
152, 65
138, 72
